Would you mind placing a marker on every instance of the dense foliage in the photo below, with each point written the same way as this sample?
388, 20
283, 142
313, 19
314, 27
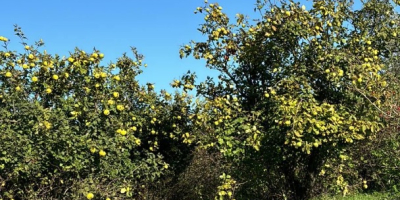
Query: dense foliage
306, 103
72, 127
307, 85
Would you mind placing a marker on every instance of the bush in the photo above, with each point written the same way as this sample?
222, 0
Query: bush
73, 127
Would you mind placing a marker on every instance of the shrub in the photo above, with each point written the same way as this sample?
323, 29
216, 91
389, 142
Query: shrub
71, 126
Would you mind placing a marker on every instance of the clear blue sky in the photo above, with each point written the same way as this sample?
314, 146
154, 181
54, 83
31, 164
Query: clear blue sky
156, 27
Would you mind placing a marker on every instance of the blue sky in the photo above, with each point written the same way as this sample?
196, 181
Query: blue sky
156, 27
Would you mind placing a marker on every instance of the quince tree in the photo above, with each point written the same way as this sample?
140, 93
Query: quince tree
296, 88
